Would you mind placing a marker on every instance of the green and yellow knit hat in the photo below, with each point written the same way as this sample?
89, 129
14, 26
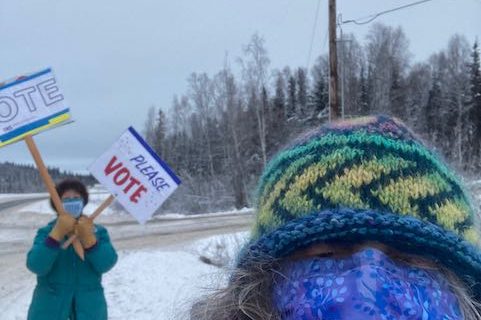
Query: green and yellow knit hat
368, 178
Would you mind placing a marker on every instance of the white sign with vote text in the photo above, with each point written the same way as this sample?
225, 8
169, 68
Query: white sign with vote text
135, 175
30, 104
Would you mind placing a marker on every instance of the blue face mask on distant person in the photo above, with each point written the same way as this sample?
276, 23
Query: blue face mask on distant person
73, 206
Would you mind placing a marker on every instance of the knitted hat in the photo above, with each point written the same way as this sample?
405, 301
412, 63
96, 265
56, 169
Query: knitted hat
368, 178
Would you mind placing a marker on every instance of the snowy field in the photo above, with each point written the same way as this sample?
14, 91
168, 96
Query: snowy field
153, 284
159, 273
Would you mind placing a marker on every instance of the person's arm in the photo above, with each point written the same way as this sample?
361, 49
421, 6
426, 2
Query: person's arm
43, 253
46, 245
102, 255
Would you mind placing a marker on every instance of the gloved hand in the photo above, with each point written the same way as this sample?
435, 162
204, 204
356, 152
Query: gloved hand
64, 225
85, 232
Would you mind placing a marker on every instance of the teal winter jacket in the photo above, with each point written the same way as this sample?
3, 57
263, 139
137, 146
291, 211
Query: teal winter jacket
67, 287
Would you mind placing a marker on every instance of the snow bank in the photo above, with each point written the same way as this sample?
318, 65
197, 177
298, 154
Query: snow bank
172, 216
155, 285
150, 285
220, 250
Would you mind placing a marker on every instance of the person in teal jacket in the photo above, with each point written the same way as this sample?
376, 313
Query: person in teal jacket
67, 287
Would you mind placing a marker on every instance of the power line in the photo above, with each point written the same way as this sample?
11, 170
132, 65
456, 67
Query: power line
325, 40
372, 17
313, 34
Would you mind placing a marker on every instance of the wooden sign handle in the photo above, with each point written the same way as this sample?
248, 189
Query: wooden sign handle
47, 180
44, 174
107, 202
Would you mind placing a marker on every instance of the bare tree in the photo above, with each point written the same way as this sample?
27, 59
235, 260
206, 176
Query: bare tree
202, 94
352, 61
255, 71
417, 92
458, 54
226, 100
149, 125
387, 58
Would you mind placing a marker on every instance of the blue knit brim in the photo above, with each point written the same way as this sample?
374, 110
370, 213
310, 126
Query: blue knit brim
404, 233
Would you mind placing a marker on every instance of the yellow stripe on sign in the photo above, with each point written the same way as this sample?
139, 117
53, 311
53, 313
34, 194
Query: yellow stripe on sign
52, 123
61, 118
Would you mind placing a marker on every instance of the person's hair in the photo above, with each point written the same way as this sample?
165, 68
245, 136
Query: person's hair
248, 296
73, 185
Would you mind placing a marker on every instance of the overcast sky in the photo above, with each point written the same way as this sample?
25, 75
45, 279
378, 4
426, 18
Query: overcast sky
114, 59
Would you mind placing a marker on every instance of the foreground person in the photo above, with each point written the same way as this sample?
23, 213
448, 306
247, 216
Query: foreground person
67, 287
356, 220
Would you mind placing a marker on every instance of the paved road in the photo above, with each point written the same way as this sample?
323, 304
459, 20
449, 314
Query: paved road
18, 202
18, 228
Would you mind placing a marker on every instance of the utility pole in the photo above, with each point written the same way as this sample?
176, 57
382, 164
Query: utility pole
342, 61
334, 111
343, 74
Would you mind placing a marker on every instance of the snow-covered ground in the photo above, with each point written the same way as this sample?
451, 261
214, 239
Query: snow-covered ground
159, 273
151, 284
163, 285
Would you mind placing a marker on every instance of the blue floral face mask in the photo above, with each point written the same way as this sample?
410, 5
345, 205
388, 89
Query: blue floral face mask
73, 206
366, 285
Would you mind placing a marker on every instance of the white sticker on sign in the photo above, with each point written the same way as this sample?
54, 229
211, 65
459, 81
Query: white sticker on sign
135, 175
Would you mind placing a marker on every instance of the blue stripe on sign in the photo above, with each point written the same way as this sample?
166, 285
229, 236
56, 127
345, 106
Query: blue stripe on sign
33, 76
156, 157
31, 126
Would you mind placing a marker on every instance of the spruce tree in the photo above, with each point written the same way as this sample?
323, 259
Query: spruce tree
475, 114
396, 95
291, 97
319, 97
277, 122
364, 107
433, 107
160, 132
301, 92
280, 98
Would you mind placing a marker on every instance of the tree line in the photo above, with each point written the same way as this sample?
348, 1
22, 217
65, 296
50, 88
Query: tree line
21, 178
219, 134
